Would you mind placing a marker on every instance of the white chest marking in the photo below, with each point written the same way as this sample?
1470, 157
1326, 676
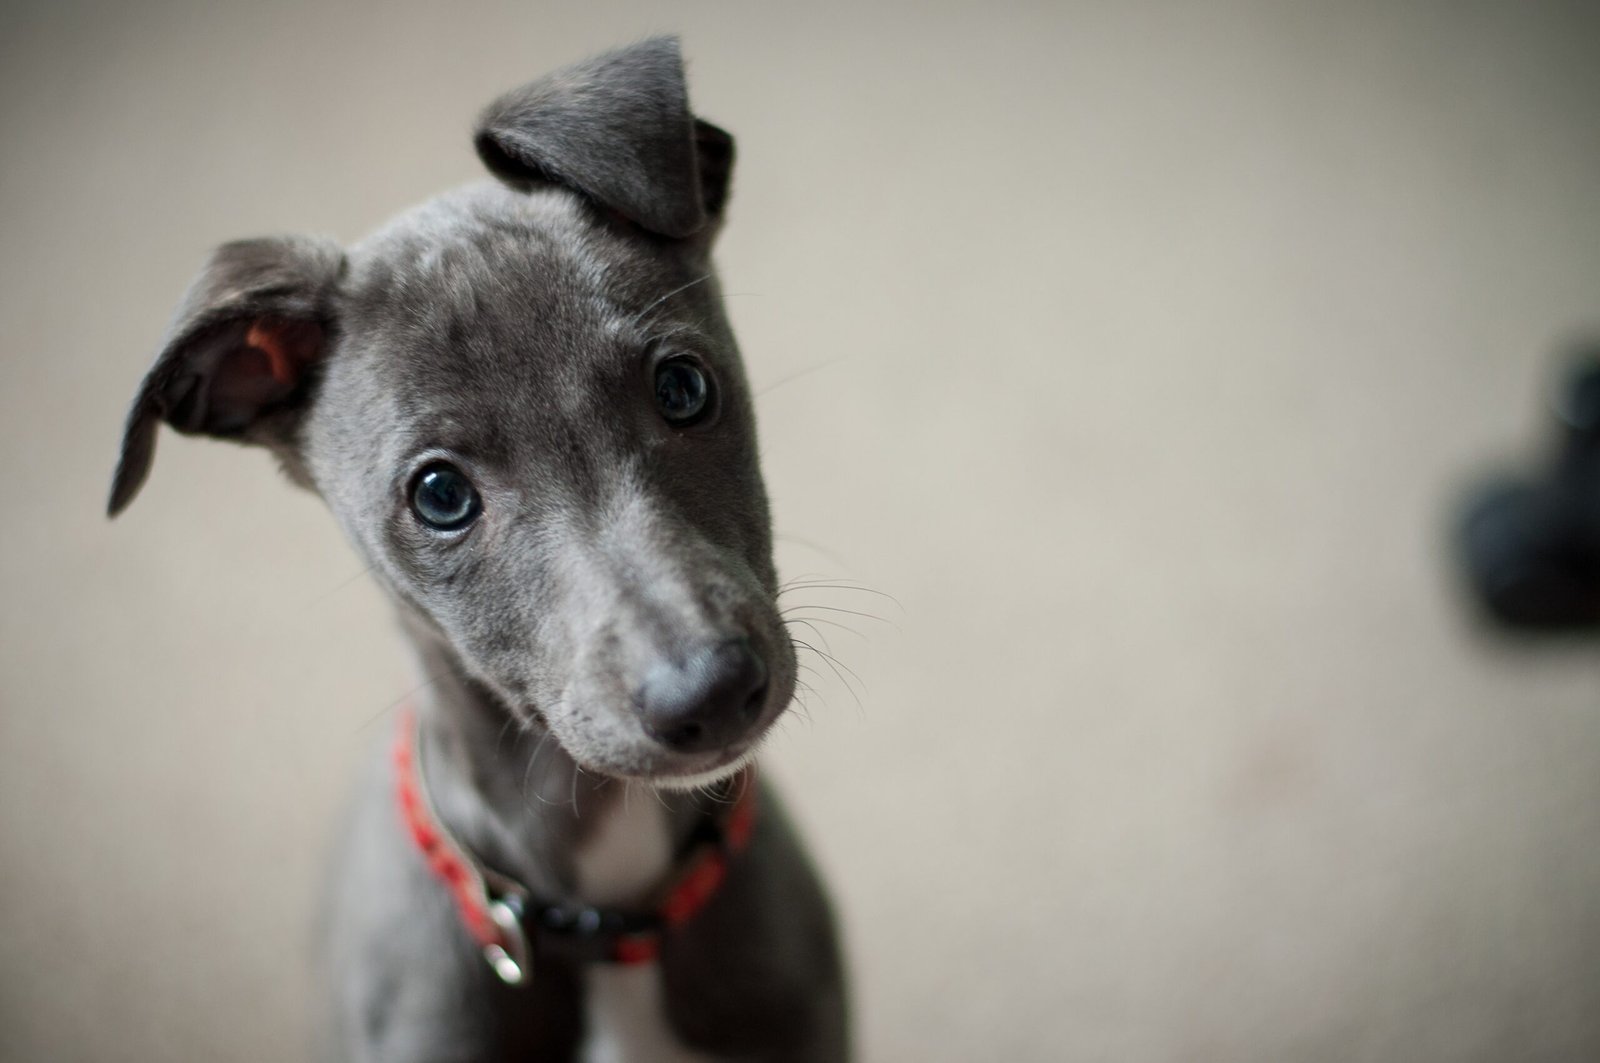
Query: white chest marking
621, 863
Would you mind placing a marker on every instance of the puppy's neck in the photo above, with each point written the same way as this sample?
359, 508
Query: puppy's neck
521, 805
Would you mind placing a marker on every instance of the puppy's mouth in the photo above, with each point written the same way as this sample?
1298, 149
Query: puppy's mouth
665, 770
723, 766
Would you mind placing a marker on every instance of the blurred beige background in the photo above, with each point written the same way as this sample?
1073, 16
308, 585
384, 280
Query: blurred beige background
1155, 342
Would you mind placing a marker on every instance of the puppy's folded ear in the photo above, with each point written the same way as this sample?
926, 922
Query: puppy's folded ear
617, 129
236, 359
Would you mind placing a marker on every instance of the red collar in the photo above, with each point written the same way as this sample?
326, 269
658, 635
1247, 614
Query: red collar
506, 921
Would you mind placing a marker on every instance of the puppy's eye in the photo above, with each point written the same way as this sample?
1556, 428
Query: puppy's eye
443, 498
683, 392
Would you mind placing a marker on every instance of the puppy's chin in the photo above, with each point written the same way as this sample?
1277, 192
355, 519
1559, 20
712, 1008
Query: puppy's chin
664, 770
700, 779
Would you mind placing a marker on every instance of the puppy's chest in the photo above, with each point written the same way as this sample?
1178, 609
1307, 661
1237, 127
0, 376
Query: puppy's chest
619, 866
627, 855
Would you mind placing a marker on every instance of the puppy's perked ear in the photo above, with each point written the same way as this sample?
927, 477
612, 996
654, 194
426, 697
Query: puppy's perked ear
235, 361
617, 129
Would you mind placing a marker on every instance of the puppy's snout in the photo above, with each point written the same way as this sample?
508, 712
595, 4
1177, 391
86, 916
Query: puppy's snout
706, 702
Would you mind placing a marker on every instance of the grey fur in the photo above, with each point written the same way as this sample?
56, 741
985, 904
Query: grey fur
513, 327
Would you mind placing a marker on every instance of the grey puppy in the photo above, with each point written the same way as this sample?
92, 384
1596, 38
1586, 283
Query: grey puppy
524, 405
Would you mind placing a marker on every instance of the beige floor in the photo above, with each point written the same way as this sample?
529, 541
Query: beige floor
1155, 344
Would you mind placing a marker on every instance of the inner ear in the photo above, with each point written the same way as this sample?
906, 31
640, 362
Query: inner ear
239, 352
713, 147
246, 368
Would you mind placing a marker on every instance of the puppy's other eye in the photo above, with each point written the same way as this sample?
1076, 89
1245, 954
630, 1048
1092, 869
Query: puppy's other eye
683, 392
443, 498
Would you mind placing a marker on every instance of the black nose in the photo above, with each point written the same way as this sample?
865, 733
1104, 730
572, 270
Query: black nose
706, 702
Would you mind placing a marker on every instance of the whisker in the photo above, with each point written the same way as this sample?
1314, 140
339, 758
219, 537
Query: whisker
836, 609
813, 627
831, 555
830, 623
680, 288
799, 703
335, 589
834, 660
528, 772
827, 659
792, 377
425, 684
709, 792
499, 739
818, 585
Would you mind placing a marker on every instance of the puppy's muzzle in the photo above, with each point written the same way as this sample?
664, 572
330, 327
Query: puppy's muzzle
707, 702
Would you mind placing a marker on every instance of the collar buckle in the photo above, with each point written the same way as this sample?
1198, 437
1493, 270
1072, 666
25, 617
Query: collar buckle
510, 957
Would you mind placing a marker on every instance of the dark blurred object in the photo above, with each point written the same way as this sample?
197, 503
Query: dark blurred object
1532, 545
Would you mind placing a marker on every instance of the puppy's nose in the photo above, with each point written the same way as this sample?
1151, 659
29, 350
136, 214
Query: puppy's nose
706, 702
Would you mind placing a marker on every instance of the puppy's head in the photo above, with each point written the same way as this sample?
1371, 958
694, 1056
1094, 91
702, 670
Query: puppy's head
523, 403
